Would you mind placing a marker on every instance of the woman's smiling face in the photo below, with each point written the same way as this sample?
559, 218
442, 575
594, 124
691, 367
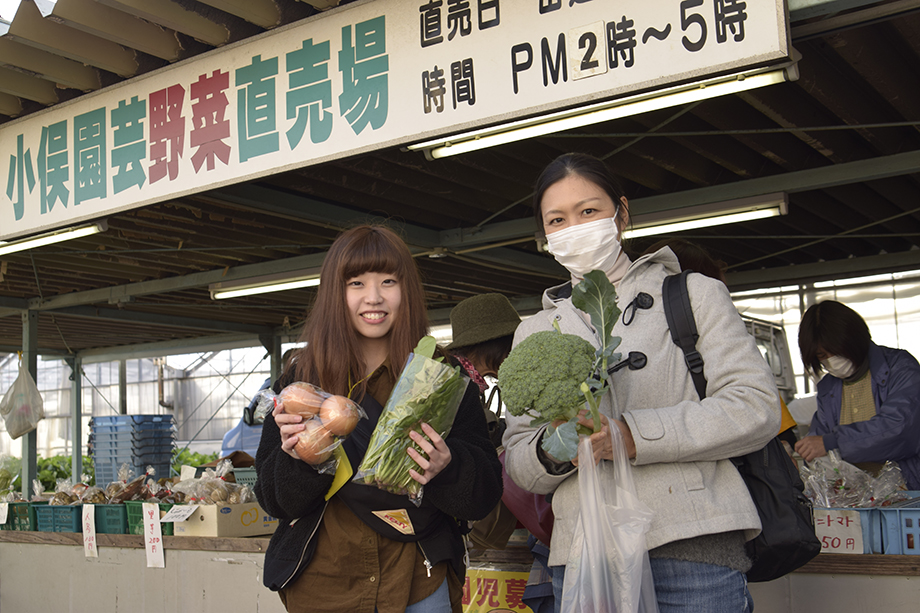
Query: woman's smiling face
373, 300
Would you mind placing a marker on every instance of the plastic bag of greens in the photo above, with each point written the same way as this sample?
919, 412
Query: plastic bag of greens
22, 406
427, 391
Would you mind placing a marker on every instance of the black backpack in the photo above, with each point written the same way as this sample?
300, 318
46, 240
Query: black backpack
788, 539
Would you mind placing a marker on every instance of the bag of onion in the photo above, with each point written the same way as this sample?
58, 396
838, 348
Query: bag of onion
328, 420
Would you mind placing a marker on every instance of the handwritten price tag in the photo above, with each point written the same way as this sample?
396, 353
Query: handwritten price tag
90, 549
839, 530
153, 536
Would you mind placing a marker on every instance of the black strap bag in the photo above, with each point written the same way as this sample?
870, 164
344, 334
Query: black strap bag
788, 539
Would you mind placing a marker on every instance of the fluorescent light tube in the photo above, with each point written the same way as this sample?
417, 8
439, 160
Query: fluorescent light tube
52, 237
598, 113
261, 285
693, 224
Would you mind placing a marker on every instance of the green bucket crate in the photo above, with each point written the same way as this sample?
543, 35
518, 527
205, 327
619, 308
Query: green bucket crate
63, 518
20, 516
109, 518
135, 510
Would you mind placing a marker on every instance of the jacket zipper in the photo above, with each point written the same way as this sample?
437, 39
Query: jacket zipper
307, 544
425, 555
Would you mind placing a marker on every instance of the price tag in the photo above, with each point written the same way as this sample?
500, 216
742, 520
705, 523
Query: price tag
839, 530
180, 512
4, 512
89, 531
187, 472
153, 536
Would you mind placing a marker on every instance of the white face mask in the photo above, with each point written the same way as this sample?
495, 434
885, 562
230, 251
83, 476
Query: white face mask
839, 367
585, 247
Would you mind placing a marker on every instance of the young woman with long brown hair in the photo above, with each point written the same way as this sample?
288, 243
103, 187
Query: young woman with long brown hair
349, 553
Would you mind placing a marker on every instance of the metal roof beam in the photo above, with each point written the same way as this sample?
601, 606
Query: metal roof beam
31, 28
10, 105
316, 212
823, 271
263, 13
48, 66
21, 85
799, 181
218, 342
805, 9
118, 27
170, 15
122, 293
791, 182
157, 319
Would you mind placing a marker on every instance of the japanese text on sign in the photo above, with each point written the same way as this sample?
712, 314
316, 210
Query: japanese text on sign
325, 89
839, 530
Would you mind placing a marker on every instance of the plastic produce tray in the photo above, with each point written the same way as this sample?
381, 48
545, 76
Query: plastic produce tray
245, 476
109, 518
136, 517
21, 516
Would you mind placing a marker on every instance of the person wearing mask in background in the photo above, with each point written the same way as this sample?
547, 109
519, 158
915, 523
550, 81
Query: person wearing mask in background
347, 553
679, 447
869, 400
693, 256
482, 329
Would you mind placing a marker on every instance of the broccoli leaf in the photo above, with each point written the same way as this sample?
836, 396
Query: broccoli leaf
596, 296
426, 347
562, 442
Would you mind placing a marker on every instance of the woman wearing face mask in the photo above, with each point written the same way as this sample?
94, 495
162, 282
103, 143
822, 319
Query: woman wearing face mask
678, 445
869, 402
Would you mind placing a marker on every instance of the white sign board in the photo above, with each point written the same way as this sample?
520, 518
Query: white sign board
362, 77
839, 530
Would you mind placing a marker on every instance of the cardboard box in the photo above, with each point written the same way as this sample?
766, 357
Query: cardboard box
227, 520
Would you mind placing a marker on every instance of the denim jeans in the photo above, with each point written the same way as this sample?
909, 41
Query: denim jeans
688, 587
439, 602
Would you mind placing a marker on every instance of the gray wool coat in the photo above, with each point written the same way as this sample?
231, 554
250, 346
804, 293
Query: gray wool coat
681, 469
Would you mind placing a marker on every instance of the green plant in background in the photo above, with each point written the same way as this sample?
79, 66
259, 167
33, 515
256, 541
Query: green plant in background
51, 470
190, 458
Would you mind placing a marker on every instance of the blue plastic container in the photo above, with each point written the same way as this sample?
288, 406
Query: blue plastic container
901, 525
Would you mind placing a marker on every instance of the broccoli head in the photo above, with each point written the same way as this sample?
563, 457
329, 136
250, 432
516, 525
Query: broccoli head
544, 374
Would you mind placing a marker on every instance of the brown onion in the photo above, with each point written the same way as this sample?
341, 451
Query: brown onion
314, 443
301, 398
339, 415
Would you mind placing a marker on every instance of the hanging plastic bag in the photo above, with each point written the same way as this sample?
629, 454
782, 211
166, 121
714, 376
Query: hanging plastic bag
608, 569
21, 406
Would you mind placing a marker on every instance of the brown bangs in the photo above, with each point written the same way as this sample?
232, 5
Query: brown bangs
370, 254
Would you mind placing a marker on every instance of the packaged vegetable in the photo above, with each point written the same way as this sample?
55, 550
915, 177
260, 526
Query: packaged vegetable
329, 419
427, 391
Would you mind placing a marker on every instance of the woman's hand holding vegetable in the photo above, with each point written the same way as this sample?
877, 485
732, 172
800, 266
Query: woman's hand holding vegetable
437, 450
290, 426
600, 441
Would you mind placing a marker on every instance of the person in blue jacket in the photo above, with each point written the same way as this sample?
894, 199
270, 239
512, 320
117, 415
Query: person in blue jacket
869, 401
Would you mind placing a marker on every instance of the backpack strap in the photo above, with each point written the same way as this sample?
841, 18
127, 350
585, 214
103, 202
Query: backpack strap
679, 314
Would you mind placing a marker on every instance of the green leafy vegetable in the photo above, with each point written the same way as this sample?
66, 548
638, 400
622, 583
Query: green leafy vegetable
551, 375
426, 391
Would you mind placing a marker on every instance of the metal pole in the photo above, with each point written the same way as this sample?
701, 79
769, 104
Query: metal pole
123, 387
30, 440
276, 365
76, 415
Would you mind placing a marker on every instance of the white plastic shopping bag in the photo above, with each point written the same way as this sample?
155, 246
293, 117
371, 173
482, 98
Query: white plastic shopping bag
22, 406
608, 569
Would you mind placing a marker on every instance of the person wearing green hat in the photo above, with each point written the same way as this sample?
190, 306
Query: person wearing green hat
483, 328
